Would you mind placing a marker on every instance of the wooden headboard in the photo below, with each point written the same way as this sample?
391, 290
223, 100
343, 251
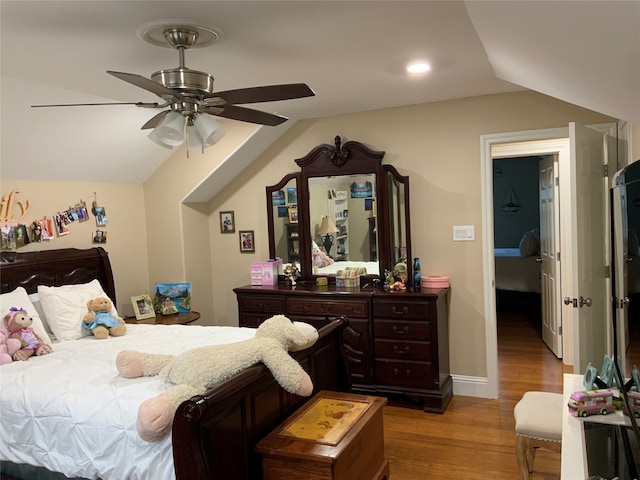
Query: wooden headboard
55, 268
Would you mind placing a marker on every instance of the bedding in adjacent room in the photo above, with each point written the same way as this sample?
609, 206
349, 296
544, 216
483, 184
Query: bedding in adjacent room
71, 412
515, 272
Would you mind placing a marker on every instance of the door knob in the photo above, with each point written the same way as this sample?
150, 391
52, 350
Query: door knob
568, 301
584, 301
539, 260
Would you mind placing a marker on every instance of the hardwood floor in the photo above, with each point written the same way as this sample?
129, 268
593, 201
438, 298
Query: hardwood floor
475, 438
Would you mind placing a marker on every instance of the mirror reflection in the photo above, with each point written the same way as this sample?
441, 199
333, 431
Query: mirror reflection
397, 214
342, 222
342, 209
284, 201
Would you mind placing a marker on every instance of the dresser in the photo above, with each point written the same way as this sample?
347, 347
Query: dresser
396, 344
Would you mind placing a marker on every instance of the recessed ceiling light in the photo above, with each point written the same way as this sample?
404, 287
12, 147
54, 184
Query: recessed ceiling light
418, 67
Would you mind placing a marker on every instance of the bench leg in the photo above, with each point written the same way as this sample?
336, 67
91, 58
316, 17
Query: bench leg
525, 456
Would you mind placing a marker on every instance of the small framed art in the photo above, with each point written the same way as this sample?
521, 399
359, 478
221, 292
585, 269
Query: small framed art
172, 298
227, 222
247, 244
143, 307
293, 215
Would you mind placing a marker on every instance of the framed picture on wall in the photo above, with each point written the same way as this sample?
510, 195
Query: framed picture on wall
293, 215
292, 195
227, 222
277, 197
283, 211
247, 244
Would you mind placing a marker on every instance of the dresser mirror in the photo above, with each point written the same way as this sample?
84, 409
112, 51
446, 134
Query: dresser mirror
343, 209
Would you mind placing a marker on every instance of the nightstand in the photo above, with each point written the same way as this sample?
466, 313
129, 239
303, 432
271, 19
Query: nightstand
177, 318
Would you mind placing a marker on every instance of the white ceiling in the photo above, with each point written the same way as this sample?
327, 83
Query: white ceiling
351, 53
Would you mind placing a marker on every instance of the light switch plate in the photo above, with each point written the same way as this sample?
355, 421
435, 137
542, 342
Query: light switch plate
464, 233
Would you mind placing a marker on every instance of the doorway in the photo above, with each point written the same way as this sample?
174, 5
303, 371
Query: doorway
526, 213
587, 149
516, 144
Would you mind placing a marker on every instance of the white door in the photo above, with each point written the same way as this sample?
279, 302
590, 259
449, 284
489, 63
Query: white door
621, 273
550, 254
588, 295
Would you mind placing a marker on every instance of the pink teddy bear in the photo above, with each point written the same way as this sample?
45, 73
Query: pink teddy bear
19, 325
8, 346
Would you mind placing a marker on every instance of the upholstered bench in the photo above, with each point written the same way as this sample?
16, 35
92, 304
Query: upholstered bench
538, 418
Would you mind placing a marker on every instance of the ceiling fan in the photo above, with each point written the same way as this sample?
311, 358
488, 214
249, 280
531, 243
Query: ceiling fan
190, 93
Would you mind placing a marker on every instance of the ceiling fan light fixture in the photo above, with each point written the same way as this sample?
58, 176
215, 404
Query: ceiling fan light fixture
153, 136
171, 129
209, 130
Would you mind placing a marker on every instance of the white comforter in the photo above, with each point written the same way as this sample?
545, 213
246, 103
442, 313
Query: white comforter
71, 412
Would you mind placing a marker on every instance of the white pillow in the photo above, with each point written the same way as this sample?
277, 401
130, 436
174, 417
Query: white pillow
18, 298
528, 245
66, 306
35, 301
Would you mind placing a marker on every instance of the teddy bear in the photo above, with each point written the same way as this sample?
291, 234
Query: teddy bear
195, 371
100, 321
8, 346
18, 322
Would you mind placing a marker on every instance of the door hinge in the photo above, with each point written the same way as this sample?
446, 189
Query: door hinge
560, 330
558, 256
607, 271
557, 181
606, 170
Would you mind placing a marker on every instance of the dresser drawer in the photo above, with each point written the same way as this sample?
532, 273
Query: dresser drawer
262, 303
400, 308
252, 320
410, 330
404, 374
318, 306
400, 350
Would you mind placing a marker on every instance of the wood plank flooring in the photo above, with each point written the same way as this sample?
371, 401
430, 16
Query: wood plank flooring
475, 438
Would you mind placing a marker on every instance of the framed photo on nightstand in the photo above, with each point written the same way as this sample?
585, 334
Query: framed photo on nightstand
143, 307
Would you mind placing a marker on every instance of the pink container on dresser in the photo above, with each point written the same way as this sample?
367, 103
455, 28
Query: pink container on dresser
434, 281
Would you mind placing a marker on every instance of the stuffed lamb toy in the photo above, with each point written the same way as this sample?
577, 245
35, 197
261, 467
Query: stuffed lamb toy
200, 369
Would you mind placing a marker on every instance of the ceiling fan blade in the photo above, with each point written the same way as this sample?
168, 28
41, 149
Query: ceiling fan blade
139, 104
246, 115
268, 93
155, 120
146, 84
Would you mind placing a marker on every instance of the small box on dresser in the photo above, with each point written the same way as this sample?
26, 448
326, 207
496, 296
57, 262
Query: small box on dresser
265, 273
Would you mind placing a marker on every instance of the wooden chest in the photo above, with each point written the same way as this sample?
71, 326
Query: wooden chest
334, 436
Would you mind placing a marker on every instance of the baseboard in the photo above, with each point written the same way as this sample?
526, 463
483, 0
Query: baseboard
470, 386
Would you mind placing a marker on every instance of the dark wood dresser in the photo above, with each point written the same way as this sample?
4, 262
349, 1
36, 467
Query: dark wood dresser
395, 344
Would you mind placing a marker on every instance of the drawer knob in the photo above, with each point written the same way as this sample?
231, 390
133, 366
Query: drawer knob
407, 372
398, 331
398, 351
403, 311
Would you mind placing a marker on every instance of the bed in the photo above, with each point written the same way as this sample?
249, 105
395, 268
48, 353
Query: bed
515, 272
332, 269
213, 435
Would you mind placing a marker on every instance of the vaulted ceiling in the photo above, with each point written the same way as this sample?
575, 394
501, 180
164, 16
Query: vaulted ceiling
351, 53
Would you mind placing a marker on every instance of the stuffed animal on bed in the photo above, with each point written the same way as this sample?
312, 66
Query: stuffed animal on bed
100, 321
8, 346
200, 369
18, 322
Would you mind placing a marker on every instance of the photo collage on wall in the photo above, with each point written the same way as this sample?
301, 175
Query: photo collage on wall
15, 234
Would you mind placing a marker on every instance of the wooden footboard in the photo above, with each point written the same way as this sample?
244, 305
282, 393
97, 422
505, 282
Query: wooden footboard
214, 435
